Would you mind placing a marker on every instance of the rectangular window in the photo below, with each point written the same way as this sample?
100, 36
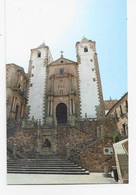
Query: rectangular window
121, 110
116, 115
126, 105
61, 71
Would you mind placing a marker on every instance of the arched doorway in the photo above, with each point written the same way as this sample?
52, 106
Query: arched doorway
61, 113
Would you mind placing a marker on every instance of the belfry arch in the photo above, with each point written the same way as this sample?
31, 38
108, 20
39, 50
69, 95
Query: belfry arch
61, 113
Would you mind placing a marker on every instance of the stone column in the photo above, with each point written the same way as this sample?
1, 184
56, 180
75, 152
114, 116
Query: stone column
105, 169
39, 147
73, 106
32, 125
55, 121
85, 116
13, 106
51, 107
102, 132
68, 151
98, 133
39, 123
48, 107
70, 106
23, 123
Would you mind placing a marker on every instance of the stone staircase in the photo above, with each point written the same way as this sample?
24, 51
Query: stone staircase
48, 165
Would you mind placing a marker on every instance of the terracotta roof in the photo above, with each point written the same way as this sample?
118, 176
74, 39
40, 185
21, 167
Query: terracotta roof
118, 102
109, 103
12, 64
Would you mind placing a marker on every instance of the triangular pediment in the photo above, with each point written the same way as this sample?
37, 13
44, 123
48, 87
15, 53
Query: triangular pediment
41, 46
84, 40
62, 61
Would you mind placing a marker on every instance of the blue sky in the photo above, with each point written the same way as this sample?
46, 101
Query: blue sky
63, 23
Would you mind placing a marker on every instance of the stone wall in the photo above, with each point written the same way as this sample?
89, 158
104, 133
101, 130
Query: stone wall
84, 145
75, 138
26, 142
92, 157
13, 126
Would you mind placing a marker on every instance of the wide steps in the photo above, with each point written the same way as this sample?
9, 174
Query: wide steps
44, 166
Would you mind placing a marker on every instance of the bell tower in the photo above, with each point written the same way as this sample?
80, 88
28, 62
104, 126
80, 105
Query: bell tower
91, 98
37, 73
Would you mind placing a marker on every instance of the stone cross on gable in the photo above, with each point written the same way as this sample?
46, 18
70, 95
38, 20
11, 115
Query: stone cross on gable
61, 53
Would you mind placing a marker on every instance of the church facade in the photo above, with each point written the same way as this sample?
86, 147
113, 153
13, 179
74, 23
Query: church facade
57, 108
63, 91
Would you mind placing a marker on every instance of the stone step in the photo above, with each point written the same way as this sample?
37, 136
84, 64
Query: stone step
43, 157
35, 160
44, 166
46, 169
50, 172
52, 166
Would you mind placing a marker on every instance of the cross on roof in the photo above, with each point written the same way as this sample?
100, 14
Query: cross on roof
61, 53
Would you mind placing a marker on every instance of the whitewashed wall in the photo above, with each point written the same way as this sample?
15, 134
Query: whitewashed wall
36, 92
88, 88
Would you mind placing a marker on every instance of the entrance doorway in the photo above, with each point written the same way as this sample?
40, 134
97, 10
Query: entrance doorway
61, 113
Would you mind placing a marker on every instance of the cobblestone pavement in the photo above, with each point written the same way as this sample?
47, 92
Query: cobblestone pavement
93, 178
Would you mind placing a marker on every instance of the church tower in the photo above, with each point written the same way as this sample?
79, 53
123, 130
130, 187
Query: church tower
91, 98
37, 73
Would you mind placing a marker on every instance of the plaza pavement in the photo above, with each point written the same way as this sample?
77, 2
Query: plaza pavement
93, 178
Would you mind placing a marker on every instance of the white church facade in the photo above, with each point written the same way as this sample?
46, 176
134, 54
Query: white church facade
63, 91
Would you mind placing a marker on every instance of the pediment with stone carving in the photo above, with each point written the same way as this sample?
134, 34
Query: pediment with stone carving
62, 61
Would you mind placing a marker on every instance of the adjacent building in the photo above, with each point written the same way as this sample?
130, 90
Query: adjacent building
120, 112
16, 82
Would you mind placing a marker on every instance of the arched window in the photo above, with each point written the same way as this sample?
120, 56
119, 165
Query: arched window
85, 49
39, 54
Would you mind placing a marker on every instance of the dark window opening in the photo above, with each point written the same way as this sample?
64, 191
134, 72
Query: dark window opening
124, 129
39, 54
93, 79
16, 112
126, 105
121, 110
47, 143
61, 61
85, 49
116, 115
61, 71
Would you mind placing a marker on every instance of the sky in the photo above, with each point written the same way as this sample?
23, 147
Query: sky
62, 23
